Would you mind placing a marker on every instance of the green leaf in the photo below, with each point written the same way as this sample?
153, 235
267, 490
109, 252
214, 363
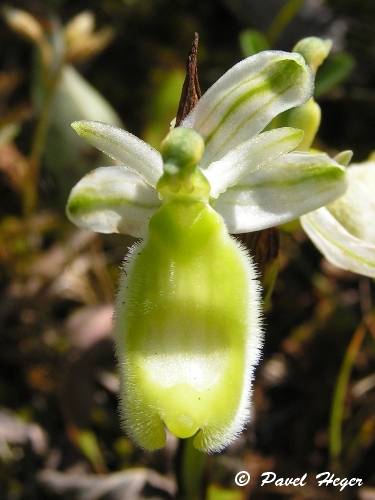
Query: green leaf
334, 71
252, 42
66, 156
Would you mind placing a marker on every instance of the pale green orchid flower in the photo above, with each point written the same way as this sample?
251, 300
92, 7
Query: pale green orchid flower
187, 327
344, 231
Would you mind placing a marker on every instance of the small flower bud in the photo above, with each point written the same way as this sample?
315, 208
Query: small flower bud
315, 50
83, 47
23, 23
307, 118
79, 26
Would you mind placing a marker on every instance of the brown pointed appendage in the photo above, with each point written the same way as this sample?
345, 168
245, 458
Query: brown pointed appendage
191, 91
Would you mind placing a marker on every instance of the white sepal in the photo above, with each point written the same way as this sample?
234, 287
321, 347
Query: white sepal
337, 245
123, 147
246, 98
344, 231
250, 156
112, 200
282, 190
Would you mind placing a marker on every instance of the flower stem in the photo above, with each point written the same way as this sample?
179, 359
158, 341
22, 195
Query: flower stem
338, 404
51, 60
38, 143
191, 472
282, 19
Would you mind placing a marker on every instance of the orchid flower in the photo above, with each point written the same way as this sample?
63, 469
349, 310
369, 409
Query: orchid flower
187, 321
344, 230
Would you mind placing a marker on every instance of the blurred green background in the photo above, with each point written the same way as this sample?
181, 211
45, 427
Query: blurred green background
314, 395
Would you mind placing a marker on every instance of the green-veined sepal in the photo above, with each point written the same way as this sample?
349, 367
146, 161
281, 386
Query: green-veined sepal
250, 156
337, 245
112, 200
246, 98
344, 231
282, 190
123, 147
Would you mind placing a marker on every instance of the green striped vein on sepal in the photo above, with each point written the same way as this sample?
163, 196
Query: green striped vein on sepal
338, 246
344, 230
281, 190
123, 147
242, 102
112, 200
249, 156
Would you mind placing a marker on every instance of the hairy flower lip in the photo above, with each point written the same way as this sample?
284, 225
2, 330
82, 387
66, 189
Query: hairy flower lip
167, 367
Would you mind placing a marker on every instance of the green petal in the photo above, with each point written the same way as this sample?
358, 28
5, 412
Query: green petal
280, 191
187, 330
246, 98
344, 231
112, 200
123, 147
250, 156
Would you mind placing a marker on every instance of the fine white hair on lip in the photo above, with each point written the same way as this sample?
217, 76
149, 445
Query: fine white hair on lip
215, 440
153, 418
209, 438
